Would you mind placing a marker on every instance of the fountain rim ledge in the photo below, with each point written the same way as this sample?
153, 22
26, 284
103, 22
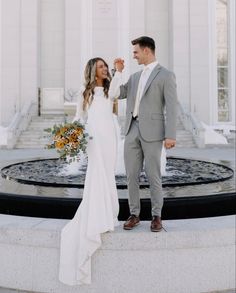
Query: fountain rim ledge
118, 186
173, 209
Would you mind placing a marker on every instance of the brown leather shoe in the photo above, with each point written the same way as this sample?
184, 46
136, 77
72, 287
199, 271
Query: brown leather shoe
131, 222
156, 225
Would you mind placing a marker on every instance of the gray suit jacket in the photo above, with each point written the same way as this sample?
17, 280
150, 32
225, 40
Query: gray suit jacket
158, 105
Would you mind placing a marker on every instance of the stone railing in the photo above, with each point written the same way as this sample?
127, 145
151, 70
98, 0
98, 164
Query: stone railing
19, 123
192, 124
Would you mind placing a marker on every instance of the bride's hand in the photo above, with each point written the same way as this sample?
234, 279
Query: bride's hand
119, 64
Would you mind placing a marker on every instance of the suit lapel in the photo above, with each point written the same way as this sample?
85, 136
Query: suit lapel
136, 86
154, 73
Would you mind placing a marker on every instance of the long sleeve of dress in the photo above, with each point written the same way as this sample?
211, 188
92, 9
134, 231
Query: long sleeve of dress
80, 113
114, 90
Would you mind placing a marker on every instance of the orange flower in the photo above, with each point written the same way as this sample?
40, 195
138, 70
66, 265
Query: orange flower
74, 136
65, 140
63, 130
59, 145
79, 131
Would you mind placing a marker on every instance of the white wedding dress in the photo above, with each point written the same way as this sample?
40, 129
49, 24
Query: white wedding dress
98, 211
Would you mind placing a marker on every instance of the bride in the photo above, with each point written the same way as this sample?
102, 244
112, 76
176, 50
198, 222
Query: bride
98, 211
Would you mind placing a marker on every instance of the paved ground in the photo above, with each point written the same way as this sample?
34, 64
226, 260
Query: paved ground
4, 290
216, 153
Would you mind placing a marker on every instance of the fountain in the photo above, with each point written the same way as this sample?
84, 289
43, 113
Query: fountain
192, 188
52, 188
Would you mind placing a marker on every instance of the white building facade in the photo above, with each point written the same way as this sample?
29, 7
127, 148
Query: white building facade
45, 44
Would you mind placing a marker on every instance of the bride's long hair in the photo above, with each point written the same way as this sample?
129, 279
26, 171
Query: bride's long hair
90, 81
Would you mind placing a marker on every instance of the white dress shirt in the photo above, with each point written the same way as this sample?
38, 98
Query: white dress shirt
147, 70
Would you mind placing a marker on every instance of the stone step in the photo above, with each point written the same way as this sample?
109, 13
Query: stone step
51, 119
35, 131
42, 140
34, 141
180, 127
183, 134
46, 122
42, 118
185, 145
43, 124
29, 146
59, 117
184, 131
30, 135
43, 145
53, 116
184, 138
33, 135
45, 135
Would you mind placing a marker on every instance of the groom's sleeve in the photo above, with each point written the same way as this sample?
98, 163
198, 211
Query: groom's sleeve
123, 91
170, 96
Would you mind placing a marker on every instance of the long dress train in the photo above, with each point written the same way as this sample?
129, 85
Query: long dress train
98, 211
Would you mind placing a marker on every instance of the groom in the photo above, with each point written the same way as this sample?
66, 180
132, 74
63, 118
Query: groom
150, 120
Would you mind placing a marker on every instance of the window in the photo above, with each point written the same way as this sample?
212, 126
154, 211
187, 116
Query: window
222, 51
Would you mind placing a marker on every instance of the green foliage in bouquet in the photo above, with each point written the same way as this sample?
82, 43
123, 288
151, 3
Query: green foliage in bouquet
68, 139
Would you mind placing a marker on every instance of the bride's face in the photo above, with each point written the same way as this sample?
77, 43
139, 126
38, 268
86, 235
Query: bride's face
101, 70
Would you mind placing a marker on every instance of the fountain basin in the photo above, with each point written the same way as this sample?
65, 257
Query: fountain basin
182, 200
181, 172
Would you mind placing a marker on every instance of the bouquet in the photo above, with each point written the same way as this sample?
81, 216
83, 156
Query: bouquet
68, 139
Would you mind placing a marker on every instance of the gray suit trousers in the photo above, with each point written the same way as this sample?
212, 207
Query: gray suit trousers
136, 151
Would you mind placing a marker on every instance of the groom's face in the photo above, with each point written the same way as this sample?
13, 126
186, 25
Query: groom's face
139, 54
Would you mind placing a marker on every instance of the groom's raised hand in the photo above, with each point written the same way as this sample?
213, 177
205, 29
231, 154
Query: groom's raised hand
119, 64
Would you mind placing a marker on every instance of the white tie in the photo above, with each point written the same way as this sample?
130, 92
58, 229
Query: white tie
141, 85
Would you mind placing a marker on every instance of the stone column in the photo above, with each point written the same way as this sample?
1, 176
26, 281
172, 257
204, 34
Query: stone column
78, 41
200, 56
157, 26
1, 100
29, 51
19, 55
52, 43
180, 49
191, 52
10, 59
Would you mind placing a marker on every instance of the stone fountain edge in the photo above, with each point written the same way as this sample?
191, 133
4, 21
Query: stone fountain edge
193, 255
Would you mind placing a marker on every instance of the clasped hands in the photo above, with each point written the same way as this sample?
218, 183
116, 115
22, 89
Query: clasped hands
119, 64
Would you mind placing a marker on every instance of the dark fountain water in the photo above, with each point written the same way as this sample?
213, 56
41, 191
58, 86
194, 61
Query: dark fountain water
192, 188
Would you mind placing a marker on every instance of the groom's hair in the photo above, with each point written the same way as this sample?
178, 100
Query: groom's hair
145, 42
